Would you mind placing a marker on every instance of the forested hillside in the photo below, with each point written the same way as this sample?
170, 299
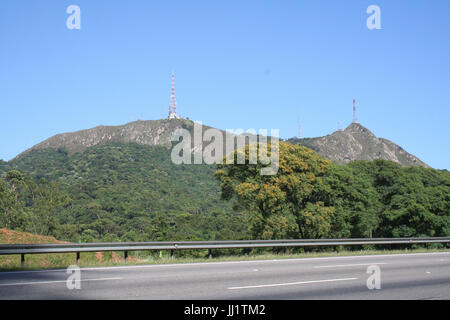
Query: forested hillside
3, 166
133, 192
118, 192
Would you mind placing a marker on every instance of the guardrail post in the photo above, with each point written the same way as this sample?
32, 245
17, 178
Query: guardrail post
171, 254
22, 260
78, 258
209, 253
125, 255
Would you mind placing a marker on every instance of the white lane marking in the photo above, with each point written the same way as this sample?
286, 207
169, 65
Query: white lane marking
51, 282
350, 265
291, 283
231, 262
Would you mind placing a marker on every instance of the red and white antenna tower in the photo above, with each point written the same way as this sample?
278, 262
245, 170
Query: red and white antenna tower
173, 103
355, 120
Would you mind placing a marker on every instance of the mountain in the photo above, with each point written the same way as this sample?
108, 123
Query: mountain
134, 192
122, 183
354, 143
357, 143
149, 132
119, 183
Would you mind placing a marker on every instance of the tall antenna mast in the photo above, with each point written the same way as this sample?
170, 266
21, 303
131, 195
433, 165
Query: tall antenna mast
299, 134
173, 103
355, 120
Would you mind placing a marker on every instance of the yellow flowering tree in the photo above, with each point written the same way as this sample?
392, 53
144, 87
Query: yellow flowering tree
289, 204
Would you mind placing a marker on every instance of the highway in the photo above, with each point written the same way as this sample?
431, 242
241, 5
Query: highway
401, 276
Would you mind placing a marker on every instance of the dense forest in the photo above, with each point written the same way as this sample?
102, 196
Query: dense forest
131, 192
310, 197
115, 192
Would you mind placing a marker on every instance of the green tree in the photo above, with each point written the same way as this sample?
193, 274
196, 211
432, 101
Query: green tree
9, 206
47, 199
12, 207
351, 192
285, 205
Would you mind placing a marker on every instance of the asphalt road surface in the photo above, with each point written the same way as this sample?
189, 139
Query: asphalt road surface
403, 276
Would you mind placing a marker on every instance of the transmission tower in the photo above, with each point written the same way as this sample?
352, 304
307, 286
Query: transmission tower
355, 120
173, 103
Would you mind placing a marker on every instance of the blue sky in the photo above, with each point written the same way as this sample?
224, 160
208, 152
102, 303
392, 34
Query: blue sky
238, 64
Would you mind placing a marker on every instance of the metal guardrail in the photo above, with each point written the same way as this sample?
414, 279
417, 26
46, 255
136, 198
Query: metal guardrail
22, 249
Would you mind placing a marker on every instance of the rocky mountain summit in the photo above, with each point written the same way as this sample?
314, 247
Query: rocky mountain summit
148, 132
357, 143
354, 143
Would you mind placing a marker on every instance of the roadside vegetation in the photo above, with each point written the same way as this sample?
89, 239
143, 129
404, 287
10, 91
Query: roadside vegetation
130, 192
